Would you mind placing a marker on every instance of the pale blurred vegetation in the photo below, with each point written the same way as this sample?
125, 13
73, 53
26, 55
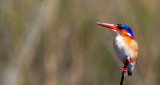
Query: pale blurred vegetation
56, 42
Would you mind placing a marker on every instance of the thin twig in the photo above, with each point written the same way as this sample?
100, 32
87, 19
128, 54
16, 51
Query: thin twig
125, 66
122, 78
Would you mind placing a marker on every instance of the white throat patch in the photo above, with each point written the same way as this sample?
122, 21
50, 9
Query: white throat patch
117, 34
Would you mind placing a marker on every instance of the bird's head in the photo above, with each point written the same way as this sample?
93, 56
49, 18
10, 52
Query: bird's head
120, 28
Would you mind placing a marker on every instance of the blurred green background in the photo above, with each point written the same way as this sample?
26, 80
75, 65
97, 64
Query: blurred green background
56, 42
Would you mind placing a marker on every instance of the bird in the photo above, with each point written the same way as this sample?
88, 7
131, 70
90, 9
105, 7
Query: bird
125, 46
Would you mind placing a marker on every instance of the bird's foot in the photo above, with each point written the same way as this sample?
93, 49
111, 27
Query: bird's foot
125, 69
128, 59
125, 66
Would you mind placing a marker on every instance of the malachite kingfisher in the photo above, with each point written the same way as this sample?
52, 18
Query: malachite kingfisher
126, 48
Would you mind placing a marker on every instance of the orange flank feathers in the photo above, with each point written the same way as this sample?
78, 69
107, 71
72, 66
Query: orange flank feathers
132, 46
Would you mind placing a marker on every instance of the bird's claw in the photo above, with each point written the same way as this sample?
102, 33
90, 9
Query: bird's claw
125, 69
128, 59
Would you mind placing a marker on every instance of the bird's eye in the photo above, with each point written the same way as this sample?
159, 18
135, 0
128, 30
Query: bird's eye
120, 27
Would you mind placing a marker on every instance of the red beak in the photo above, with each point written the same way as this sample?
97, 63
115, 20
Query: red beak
111, 26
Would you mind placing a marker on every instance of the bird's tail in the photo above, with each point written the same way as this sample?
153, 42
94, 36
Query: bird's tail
130, 68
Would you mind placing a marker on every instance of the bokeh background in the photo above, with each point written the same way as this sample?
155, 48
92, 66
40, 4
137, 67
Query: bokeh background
56, 42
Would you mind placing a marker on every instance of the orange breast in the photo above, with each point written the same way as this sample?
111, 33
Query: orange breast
132, 46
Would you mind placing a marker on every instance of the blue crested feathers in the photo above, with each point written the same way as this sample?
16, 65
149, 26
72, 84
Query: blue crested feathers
124, 26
